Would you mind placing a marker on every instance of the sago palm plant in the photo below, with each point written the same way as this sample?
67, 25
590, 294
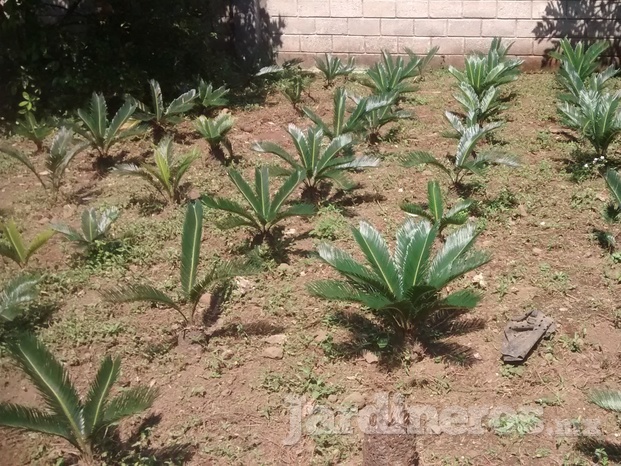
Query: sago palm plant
264, 211
478, 109
102, 133
484, 71
36, 131
405, 287
353, 123
215, 131
332, 67
316, 161
392, 75
62, 151
466, 159
583, 59
167, 172
596, 116
16, 294
159, 114
574, 84
209, 98
94, 226
81, 422
191, 287
13, 246
435, 211
376, 119
613, 209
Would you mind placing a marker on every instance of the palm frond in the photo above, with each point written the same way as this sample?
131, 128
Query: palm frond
17, 293
132, 401
607, 399
191, 245
95, 402
134, 293
21, 417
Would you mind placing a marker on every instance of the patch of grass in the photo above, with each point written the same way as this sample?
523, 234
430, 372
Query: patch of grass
518, 424
330, 224
305, 382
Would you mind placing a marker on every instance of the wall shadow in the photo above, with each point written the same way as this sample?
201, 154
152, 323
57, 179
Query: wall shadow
67, 49
580, 20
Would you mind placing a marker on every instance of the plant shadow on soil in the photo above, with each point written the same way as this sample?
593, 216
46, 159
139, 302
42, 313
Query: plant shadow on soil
367, 334
592, 447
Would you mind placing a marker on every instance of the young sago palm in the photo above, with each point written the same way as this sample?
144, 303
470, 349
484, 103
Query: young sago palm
166, 175
159, 114
332, 67
405, 287
316, 161
14, 247
215, 131
16, 294
597, 116
81, 422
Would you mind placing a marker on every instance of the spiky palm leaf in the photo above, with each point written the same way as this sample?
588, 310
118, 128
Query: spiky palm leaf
101, 133
316, 161
332, 67
610, 400
215, 130
159, 113
573, 83
94, 226
596, 116
34, 130
391, 75
166, 175
435, 209
264, 211
478, 109
404, 287
16, 294
66, 416
584, 60
492, 70
209, 97
355, 121
13, 247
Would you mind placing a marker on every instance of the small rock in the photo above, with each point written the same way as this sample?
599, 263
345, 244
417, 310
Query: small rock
279, 339
273, 352
320, 336
355, 399
537, 251
205, 299
242, 286
246, 128
479, 281
226, 392
477, 356
563, 309
522, 211
227, 354
194, 194
370, 358
333, 398
290, 232
283, 267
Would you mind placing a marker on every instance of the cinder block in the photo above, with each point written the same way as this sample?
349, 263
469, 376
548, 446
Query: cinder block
448, 45
282, 7
544, 46
299, 25
547, 9
430, 27
445, 9
379, 8
479, 9
479, 44
418, 45
464, 28
397, 27
499, 28
349, 44
344, 8
336, 26
310, 8
316, 44
514, 9
522, 47
527, 28
363, 26
413, 8
377, 44
289, 43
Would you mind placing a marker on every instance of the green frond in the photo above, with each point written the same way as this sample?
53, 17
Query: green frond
22, 417
132, 401
613, 180
134, 293
607, 399
95, 402
16, 294
191, 245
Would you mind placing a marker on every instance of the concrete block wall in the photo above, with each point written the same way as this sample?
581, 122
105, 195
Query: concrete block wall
362, 28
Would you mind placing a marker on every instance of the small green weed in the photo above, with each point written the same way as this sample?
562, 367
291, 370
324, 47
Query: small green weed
518, 424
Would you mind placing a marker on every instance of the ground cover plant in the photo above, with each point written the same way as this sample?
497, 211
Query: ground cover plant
225, 397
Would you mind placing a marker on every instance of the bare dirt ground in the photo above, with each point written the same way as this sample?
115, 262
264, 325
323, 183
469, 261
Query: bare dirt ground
226, 403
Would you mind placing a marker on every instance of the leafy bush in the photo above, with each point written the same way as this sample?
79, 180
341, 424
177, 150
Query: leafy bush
492, 70
95, 226
101, 133
317, 162
215, 131
192, 289
159, 114
82, 423
356, 121
166, 175
403, 288
596, 116
581, 59
16, 294
61, 153
392, 75
434, 211
263, 211
36, 131
466, 160
13, 246
332, 67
